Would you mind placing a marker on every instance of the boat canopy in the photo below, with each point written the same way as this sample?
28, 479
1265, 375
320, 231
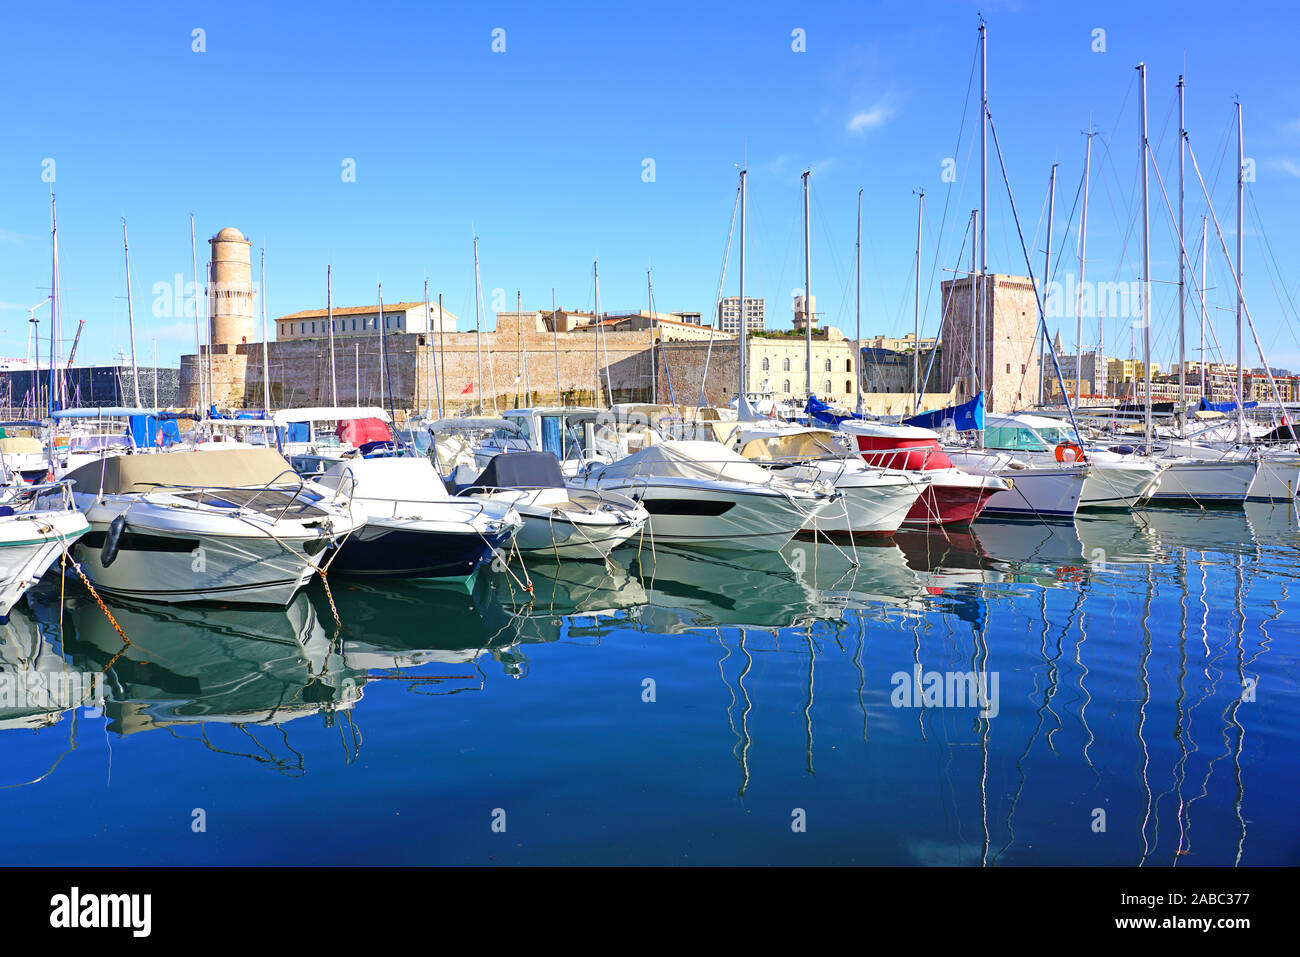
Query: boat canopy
397, 479
330, 413
475, 424
227, 468
884, 430
1205, 406
690, 460
20, 444
784, 445
521, 470
359, 432
108, 412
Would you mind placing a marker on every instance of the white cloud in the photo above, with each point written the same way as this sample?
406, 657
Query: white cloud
1287, 165
876, 116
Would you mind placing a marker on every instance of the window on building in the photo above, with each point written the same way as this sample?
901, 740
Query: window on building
399, 322
1008, 368
354, 325
785, 367
767, 364
313, 328
828, 365
785, 386
828, 386
848, 365
302, 328
848, 386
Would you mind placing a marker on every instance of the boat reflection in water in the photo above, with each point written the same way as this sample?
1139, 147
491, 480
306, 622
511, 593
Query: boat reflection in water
401, 626
195, 664
38, 685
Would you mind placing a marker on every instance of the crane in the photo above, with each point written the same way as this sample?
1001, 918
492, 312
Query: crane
72, 353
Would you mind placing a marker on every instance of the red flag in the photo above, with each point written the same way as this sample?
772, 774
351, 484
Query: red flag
468, 389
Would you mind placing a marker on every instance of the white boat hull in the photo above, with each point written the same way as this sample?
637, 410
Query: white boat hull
1119, 485
700, 515
169, 564
1278, 478
1198, 482
30, 542
1039, 493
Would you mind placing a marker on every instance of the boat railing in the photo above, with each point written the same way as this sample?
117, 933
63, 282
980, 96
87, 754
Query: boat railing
601, 496
204, 492
44, 490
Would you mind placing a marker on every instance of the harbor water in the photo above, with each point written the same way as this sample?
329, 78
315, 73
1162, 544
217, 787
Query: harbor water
1117, 690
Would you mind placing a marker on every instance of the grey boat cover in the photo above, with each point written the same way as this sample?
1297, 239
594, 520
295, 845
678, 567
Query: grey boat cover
521, 470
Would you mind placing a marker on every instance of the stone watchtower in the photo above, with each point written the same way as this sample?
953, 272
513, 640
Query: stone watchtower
230, 289
222, 367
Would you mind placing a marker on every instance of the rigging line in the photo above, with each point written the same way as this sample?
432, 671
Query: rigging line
1285, 298
1042, 320
717, 300
947, 198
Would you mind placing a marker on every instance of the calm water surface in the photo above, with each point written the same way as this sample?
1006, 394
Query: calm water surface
683, 709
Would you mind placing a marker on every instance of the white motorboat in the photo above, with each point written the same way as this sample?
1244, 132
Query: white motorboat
874, 500
562, 522
231, 525
1119, 479
953, 496
705, 495
414, 528
32, 536
1043, 492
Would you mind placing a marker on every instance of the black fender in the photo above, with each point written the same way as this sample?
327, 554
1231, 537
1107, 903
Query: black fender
108, 554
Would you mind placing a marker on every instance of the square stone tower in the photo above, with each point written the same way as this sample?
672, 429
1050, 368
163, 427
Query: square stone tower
1005, 325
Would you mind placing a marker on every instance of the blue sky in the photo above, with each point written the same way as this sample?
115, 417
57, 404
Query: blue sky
542, 149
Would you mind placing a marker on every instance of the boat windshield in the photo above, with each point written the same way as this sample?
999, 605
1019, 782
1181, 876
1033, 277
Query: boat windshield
1022, 438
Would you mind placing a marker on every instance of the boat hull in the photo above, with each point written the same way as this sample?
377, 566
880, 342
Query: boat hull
29, 544
1202, 484
405, 550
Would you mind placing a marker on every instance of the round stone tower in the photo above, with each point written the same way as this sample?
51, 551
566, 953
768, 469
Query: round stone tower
230, 291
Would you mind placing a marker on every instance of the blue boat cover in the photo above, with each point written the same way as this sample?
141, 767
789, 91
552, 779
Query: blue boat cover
147, 432
819, 411
967, 417
522, 470
1204, 406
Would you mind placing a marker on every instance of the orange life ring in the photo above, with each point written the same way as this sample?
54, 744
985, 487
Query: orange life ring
1075, 450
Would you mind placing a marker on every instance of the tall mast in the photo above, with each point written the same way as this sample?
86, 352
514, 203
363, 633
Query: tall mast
478, 332
555, 343
329, 309
974, 359
807, 289
519, 347
1205, 236
441, 381
130, 316
1182, 242
379, 330
155, 373
916, 338
742, 332
266, 348
1241, 277
654, 359
595, 339
1146, 257
383, 342
984, 200
428, 323
602, 344
857, 360
1047, 278
1083, 265
54, 305
198, 329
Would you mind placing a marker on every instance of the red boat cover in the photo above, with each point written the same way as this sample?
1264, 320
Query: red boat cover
357, 432
914, 455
